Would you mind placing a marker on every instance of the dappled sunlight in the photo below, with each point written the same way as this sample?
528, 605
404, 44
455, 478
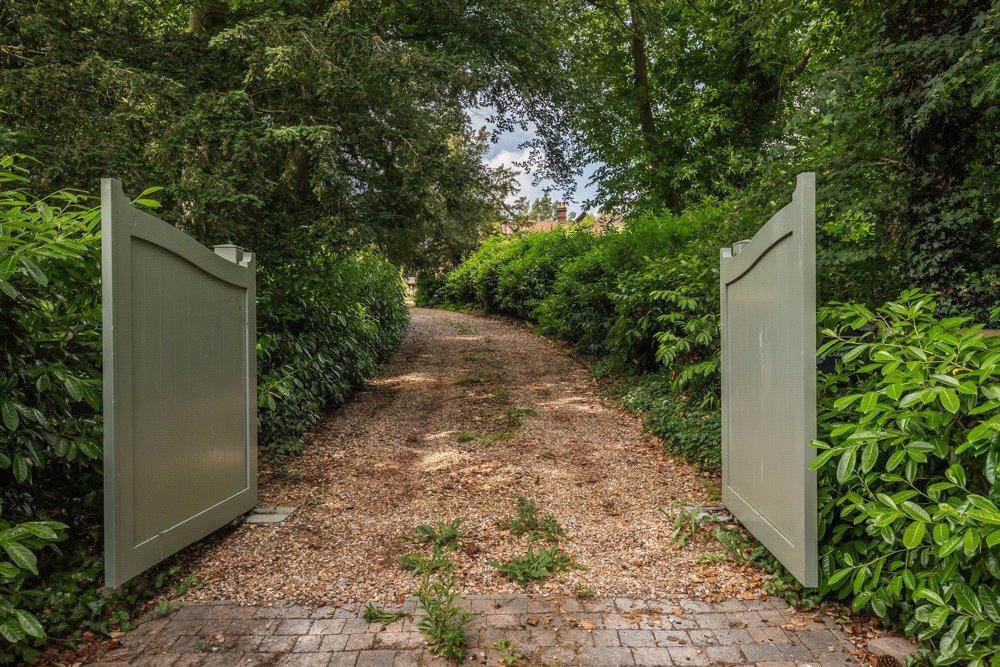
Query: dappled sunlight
405, 379
578, 403
463, 337
441, 459
430, 437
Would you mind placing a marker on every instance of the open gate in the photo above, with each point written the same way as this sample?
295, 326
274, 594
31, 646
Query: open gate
180, 387
768, 303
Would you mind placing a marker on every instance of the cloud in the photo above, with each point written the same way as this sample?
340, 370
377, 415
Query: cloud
506, 151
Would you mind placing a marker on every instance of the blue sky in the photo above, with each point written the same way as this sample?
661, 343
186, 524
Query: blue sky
507, 151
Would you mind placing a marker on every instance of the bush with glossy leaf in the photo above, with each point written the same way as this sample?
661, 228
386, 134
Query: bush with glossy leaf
908, 468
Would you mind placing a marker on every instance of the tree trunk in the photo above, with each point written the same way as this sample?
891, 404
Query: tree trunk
644, 107
205, 15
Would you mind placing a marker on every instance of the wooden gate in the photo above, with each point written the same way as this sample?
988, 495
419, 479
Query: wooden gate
769, 382
180, 387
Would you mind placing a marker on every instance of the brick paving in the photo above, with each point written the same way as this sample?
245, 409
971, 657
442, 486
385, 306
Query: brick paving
544, 630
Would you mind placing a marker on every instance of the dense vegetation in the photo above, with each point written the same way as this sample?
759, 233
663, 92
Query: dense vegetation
321, 331
909, 421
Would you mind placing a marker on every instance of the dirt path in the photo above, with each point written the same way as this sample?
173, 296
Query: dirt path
467, 412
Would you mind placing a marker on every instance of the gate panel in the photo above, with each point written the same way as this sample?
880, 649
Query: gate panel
768, 302
180, 433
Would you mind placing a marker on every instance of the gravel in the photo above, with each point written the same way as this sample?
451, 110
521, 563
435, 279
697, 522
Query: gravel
468, 411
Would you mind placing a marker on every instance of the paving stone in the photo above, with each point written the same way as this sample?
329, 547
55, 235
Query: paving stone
306, 660
652, 656
703, 637
277, 644
253, 626
309, 643
327, 626
332, 643
729, 654
293, 626
410, 658
399, 639
727, 636
360, 641
558, 655
686, 655
605, 637
194, 611
636, 637
712, 621
672, 638
378, 658
606, 655
343, 659
766, 634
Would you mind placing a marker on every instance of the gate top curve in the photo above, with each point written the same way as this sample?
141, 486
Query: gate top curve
768, 311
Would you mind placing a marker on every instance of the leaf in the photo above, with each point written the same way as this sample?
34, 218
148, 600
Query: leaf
35, 272
869, 456
914, 534
949, 399
22, 556
9, 414
21, 468
29, 624
846, 465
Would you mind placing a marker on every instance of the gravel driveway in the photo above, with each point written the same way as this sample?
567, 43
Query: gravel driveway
469, 411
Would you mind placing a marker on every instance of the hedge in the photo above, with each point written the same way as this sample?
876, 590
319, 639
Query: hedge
324, 324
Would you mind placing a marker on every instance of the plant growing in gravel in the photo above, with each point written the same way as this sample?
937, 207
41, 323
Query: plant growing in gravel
445, 535
422, 565
471, 380
373, 613
536, 565
465, 436
508, 652
514, 415
584, 592
528, 520
443, 622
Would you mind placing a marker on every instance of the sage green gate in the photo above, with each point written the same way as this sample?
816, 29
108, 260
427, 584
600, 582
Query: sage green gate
180, 419
768, 306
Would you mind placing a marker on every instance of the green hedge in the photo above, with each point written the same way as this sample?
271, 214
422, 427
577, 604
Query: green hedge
323, 326
909, 421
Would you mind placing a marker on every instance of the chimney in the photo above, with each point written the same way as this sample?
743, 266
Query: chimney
561, 211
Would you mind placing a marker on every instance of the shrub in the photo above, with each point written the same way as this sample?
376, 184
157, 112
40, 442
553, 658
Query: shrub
322, 329
908, 470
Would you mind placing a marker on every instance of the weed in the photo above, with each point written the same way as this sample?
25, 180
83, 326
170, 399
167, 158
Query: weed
375, 614
486, 438
470, 380
499, 394
527, 520
536, 565
422, 565
443, 622
584, 592
508, 652
514, 416
445, 535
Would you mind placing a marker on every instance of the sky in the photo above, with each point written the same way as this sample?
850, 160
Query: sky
506, 152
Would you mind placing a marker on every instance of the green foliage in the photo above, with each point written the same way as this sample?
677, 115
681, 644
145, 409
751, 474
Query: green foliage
323, 327
422, 565
373, 613
536, 565
909, 463
443, 621
508, 653
528, 520
445, 535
